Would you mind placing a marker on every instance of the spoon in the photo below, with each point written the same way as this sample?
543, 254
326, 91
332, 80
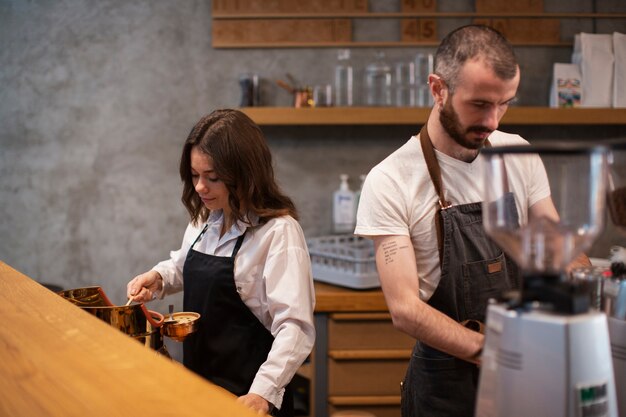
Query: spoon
171, 309
130, 300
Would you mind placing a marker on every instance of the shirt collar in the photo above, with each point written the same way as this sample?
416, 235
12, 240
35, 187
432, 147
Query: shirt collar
216, 217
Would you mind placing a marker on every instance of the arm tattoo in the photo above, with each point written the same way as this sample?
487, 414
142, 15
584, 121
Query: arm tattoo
390, 249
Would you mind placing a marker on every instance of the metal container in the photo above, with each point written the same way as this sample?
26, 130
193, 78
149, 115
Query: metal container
607, 294
614, 298
593, 278
135, 320
86, 297
180, 325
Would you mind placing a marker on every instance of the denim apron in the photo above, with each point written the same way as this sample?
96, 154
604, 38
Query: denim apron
230, 344
473, 270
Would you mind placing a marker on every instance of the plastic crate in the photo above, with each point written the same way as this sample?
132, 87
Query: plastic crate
344, 260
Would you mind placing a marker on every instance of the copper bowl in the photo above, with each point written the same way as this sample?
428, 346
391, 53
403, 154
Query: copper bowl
180, 325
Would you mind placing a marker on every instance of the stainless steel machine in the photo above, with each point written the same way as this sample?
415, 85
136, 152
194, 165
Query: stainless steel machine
614, 290
546, 352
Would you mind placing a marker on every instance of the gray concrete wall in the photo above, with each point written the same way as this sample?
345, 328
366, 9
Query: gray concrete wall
98, 96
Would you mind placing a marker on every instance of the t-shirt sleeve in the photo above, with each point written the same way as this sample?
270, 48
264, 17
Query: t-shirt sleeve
382, 207
539, 186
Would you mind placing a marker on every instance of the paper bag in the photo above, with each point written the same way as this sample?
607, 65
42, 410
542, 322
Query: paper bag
596, 63
619, 81
566, 86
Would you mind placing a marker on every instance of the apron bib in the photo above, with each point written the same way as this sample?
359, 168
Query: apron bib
473, 270
230, 344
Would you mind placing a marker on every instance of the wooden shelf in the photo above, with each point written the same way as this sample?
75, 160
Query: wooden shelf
399, 15
333, 299
380, 44
333, 27
353, 400
288, 116
369, 354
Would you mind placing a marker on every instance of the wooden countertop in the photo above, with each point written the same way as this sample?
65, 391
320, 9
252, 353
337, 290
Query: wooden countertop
331, 298
58, 360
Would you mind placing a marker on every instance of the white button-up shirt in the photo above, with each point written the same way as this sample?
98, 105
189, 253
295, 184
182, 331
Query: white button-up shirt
273, 277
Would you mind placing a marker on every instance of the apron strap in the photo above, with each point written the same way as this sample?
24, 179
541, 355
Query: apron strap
237, 244
433, 166
199, 236
435, 175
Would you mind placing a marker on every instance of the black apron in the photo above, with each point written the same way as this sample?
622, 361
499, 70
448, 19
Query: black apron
231, 344
473, 270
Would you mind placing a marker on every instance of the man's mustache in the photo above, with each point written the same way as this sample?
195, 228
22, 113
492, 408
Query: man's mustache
479, 129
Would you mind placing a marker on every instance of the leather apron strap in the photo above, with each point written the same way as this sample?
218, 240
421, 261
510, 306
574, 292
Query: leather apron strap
435, 175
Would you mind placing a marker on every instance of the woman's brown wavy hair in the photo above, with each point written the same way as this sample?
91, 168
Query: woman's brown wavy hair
241, 160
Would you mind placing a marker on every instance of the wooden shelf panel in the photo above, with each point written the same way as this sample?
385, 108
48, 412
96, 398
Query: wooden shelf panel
332, 299
342, 400
288, 116
370, 354
523, 26
360, 316
437, 15
381, 44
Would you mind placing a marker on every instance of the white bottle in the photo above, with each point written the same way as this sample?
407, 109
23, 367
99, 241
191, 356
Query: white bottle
343, 79
343, 207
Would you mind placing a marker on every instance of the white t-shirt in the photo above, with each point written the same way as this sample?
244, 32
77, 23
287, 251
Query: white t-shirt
399, 198
274, 279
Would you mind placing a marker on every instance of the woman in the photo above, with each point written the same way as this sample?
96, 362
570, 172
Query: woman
243, 264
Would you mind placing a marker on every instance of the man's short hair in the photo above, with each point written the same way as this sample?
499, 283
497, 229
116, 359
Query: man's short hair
474, 42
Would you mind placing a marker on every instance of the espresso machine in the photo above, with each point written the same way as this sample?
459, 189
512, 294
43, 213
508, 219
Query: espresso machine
546, 352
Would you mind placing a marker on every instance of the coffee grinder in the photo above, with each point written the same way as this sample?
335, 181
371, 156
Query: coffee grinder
546, 352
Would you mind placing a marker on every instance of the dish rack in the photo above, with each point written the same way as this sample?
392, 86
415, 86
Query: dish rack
345, 260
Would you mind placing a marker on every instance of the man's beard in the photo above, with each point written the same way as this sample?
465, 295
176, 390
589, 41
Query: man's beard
449, 120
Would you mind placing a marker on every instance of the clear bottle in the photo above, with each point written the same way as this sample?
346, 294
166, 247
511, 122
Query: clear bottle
406, 89
344, 79
343, 207
378, 82
424, 66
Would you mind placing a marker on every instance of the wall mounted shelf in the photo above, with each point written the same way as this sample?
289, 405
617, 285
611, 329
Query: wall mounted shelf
439, 15
288, 116
328, 24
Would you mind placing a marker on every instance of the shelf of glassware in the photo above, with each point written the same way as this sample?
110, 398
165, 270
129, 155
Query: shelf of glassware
286, 116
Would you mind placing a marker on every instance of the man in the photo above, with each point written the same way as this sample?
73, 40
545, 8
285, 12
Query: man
421, 206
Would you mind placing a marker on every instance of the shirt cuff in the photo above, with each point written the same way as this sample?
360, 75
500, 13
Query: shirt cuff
267, 390
160, 294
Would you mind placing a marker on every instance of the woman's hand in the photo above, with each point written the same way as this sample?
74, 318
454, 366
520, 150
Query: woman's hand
255, 402
143, 287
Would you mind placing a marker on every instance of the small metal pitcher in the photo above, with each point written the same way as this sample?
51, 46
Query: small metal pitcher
135, 320
303, 97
